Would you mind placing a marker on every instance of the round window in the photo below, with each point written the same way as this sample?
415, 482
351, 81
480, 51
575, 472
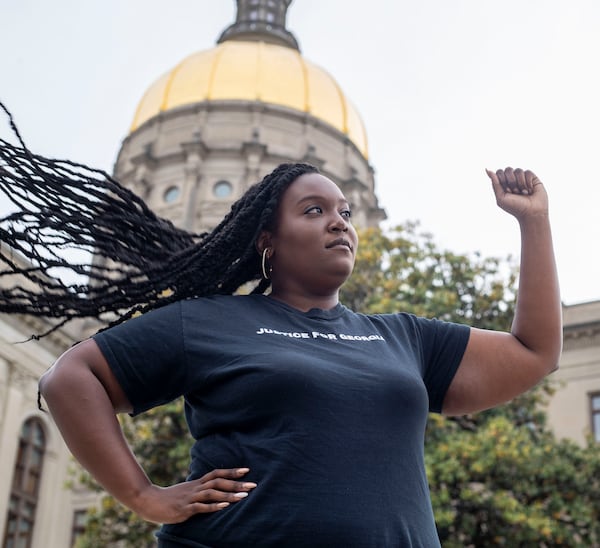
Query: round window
171, 194
222, 189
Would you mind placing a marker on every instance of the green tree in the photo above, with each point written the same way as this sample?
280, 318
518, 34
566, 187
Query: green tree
404, 270
497, 477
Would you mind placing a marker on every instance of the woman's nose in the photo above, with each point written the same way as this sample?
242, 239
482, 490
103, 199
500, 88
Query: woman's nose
339, 224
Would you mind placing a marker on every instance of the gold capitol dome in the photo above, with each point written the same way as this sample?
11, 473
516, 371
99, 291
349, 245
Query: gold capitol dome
256, 59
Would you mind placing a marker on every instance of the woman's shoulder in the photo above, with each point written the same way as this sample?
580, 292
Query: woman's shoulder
229, 303
390, 318
411, 323
221, 300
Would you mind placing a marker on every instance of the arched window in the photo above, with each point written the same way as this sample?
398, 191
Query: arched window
595, 401
25, 486
222, 189
172, 194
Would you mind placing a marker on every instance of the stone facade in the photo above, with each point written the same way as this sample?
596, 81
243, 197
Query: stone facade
53, 506
578, 377
191, 163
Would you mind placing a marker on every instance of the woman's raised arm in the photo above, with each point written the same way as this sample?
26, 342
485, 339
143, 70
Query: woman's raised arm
496, 366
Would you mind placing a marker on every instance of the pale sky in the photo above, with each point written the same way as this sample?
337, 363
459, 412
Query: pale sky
445, 88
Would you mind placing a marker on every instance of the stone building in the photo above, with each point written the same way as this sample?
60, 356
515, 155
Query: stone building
574, 410
202, 133
36, 509
224, 117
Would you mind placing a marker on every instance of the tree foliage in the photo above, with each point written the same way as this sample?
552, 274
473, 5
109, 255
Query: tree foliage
498, 478
404, 270
504, 484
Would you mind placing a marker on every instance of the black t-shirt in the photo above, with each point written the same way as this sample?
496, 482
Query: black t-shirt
327, 408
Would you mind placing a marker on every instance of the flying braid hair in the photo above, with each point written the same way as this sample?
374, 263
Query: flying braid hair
140, 261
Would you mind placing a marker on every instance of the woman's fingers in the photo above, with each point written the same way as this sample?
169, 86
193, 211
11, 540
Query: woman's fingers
231, 473
532, 180
219, 488
515, 181
228, 480
231, 492
202, 508
519, 192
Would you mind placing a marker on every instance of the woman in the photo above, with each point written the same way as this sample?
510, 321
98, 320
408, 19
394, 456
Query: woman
309, 418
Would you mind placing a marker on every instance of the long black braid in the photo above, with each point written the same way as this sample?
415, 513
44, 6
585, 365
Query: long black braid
140, 261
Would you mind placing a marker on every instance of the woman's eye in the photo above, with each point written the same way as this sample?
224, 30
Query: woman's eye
346, 213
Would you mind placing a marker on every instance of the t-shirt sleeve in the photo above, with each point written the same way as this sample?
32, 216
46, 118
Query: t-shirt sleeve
147, 356
443, 345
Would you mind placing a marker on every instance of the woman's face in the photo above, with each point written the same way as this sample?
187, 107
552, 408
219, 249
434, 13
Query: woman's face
314, 243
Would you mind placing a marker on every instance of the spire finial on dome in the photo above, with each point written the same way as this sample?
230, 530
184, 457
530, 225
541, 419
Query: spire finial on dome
261, 20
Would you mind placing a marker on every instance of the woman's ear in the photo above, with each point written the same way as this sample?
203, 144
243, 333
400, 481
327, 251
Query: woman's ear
263, 241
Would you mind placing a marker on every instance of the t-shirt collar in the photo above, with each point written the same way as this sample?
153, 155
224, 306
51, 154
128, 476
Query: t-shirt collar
316, 313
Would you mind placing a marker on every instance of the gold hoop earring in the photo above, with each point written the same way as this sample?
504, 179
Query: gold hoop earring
263, 264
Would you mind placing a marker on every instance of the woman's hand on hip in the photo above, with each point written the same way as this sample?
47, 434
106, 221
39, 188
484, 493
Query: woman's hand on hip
211, 493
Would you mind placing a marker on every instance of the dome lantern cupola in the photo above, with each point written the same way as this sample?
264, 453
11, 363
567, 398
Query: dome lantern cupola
261, 21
